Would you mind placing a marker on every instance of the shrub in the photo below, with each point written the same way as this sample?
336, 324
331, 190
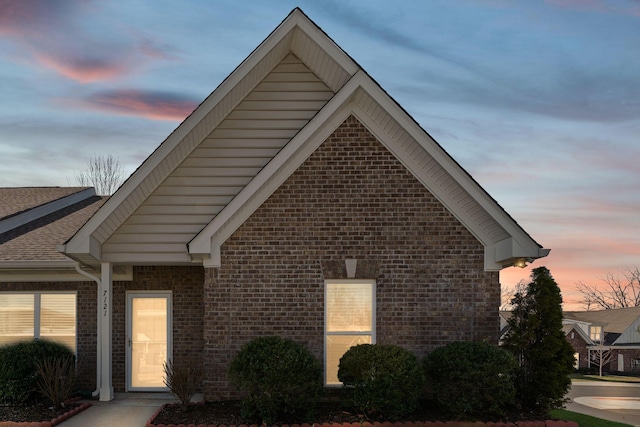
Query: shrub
57, 378
183, 380
471, 378
18, 368
280, 377
536, 339
383, 380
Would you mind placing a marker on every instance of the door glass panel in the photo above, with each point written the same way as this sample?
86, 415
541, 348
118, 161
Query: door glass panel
148, 341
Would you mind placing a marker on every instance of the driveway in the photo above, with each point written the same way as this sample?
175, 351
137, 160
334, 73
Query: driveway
608, 400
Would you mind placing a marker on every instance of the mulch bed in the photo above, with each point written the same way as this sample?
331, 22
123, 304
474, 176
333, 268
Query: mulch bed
40, 412
327, 413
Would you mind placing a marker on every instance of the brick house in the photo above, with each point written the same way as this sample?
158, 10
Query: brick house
618, 330
298, 200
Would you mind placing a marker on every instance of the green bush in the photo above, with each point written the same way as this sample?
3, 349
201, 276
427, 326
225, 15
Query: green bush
384, 381
18, 368
471, 378
281, 378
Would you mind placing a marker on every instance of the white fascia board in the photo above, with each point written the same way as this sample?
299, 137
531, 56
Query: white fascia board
523, 244
206, 243
40, 271
299, 19
78, 243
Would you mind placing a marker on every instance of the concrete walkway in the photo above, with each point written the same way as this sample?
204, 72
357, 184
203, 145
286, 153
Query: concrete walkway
126, 410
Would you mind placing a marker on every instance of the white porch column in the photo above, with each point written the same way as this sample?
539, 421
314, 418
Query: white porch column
104, 301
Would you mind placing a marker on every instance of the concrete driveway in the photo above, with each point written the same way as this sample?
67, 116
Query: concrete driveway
607, 400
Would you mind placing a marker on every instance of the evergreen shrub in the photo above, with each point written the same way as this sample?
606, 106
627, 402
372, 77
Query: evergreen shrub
471, 379
280, 377
382, 380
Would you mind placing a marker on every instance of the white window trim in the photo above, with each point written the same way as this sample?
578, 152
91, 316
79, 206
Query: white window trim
37, 296
372, 333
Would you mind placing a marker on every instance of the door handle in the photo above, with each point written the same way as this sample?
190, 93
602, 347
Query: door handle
129, 342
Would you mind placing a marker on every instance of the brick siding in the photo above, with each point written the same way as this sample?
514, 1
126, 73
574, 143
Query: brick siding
352, 199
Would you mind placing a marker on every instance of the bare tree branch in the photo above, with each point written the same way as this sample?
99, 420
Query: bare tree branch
507, 293
600, 356
104, 173
614, 292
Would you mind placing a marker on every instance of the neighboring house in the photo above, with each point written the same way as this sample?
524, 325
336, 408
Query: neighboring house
298, 200
616, 329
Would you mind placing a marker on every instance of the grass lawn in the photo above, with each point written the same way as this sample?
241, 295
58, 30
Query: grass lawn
614, 378
584, 420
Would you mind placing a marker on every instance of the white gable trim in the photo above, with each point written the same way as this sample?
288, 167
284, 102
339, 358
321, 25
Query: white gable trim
85, 244
206, 245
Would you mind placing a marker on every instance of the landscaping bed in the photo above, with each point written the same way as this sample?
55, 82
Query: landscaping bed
38, 415
327, 414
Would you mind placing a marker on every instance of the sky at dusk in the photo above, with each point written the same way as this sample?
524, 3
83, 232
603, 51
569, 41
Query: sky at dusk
539, 100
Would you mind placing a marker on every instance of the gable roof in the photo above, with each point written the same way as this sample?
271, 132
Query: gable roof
567, 328
250, 134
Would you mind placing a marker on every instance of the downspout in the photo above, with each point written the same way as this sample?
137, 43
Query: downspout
98, 281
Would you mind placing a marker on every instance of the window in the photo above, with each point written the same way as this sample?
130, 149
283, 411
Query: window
38, 315
595, 333
349, 320
635, 364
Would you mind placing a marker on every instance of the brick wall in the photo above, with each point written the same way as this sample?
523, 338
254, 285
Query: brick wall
579, 346
186, 286
86, 300
350, 200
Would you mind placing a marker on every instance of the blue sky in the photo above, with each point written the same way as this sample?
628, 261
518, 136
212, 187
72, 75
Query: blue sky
538, 100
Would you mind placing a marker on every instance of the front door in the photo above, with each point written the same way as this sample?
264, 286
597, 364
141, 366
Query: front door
148, 339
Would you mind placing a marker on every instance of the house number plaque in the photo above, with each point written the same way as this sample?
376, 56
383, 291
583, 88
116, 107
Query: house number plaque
105, 304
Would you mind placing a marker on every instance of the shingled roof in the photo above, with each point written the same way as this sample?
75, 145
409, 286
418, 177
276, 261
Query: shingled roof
34, 220
17, 200
616, 320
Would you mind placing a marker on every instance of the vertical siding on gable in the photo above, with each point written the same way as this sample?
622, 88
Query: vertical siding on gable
351, 199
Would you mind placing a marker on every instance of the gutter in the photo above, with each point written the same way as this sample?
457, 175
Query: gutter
98, 281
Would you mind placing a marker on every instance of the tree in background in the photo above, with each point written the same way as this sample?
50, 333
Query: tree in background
617, 293
600, 356
536, 339
508, 292
104, 173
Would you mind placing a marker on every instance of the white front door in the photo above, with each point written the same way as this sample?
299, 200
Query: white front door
148, 339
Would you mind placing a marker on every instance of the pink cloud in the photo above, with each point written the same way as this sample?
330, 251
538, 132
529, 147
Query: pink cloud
53, 34
150, 105
83, 70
